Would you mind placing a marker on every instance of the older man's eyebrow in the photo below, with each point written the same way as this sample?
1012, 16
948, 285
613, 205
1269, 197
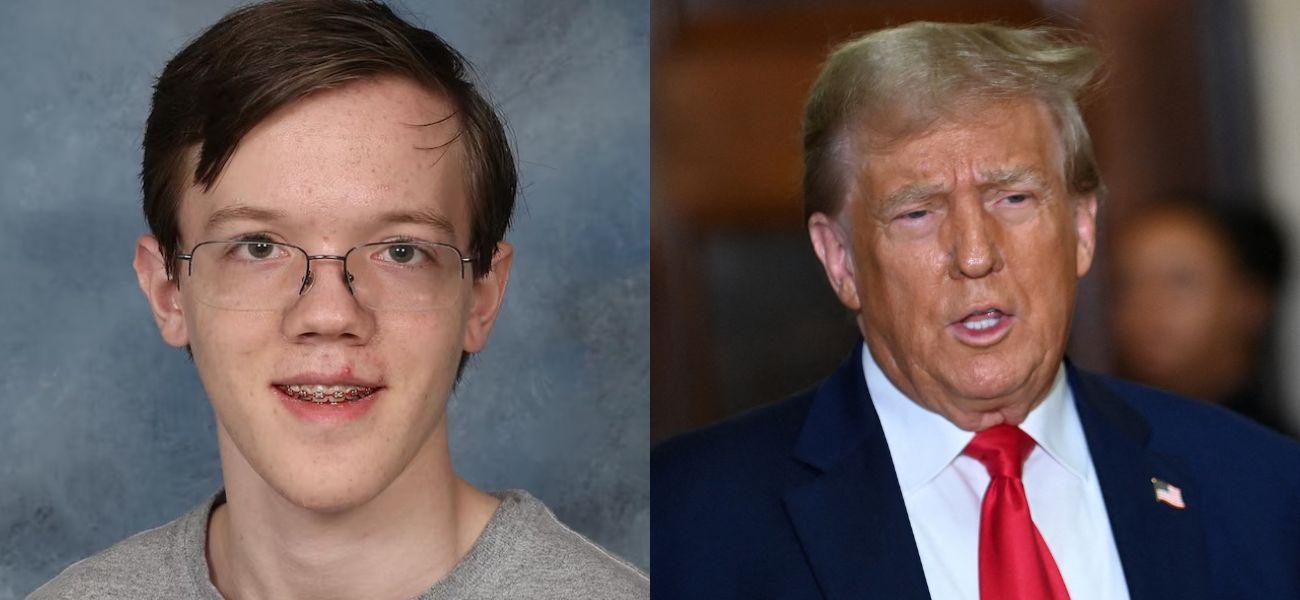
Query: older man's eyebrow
908, 194
423, 217
1013, 176
243, 212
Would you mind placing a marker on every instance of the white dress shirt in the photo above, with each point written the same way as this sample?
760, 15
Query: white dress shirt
943, 490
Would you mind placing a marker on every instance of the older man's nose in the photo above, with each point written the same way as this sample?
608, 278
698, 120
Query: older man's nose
975, 249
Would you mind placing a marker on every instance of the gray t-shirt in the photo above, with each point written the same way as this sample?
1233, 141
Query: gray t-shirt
524, 552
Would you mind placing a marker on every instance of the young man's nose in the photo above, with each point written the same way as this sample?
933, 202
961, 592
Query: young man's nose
326, 309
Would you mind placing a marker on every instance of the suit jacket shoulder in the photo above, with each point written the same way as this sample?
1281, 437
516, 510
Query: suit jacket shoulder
727, 453
1202, 429
795, 500
716, 505
1240, 482
1216, 445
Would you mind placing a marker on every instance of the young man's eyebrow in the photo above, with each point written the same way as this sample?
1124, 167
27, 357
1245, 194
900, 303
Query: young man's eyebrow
425, 217
243, 212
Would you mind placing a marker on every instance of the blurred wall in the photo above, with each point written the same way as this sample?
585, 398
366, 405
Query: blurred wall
106, 430
1277, 87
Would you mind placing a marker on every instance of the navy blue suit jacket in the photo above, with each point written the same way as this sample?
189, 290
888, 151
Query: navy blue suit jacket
800, 499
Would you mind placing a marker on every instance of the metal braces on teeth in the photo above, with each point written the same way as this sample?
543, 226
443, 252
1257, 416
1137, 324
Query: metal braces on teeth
318, 394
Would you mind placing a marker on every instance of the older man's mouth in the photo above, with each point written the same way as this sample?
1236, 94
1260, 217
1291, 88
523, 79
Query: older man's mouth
983, 327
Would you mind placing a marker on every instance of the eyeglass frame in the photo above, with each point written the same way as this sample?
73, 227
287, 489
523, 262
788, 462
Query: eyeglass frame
307, 278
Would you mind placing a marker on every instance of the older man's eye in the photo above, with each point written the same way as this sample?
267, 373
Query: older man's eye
1016, 199
915, 214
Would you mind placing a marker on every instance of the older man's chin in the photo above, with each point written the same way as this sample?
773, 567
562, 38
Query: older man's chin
973, 419
979, 407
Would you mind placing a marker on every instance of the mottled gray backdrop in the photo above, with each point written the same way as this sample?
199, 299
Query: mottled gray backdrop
105, 431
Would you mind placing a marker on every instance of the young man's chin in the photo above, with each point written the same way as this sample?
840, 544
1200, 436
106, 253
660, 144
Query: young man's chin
329, 479
331, 494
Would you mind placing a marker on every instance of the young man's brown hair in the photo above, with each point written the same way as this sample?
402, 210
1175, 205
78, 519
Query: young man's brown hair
266, 56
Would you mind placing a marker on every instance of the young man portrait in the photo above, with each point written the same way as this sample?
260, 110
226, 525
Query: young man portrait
327, 193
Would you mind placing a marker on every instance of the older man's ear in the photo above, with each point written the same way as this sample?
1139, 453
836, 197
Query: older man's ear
832, 245
1085, 226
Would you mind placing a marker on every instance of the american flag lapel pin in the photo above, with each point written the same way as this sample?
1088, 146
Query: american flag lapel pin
1168, 493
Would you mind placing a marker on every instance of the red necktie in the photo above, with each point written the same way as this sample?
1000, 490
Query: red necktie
1015, 563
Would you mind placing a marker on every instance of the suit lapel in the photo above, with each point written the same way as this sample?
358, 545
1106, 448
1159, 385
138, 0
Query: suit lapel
1162, 548
850, 518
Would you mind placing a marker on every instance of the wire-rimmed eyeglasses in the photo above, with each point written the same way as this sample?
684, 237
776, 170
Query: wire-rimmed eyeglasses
257, 274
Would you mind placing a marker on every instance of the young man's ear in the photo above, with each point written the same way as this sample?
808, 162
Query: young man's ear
164, 294
485, 299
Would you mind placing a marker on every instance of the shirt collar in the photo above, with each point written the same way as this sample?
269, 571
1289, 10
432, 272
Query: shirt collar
1055, 425
923, 443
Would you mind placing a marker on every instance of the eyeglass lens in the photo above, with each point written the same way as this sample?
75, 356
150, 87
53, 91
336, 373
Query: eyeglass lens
387, 276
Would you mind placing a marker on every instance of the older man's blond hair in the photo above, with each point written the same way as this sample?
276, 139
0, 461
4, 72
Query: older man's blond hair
894, 83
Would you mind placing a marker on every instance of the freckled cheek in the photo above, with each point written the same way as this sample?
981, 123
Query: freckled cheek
233, 348
241, 335
409, 343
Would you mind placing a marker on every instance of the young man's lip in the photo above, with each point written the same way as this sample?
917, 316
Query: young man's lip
327, 379
321, 394
327, 413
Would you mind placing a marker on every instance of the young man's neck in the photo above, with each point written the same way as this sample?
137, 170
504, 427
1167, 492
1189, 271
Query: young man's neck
397, 545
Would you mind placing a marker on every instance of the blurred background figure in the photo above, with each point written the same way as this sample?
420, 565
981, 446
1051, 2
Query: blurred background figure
1195, 291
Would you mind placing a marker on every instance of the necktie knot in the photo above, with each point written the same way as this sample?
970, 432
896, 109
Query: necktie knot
1015, 561
1002, 449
